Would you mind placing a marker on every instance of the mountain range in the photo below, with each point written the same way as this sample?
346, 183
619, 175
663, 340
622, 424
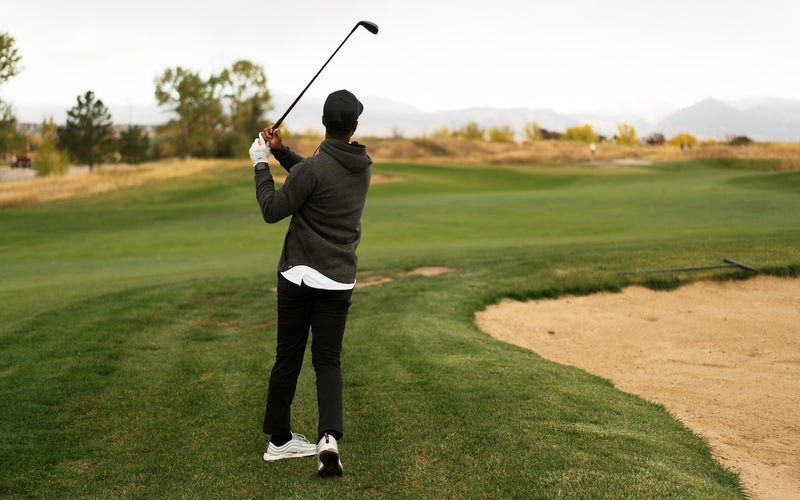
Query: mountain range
761, 119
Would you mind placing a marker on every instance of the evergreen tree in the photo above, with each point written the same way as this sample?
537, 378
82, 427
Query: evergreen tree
88, 134
134, 145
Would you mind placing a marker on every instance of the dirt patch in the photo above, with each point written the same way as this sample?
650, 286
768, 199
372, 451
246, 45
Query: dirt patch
383, 179
723, 357
426, 271
372, 280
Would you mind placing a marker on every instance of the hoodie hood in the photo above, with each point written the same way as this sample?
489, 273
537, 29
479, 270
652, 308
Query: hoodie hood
352, 156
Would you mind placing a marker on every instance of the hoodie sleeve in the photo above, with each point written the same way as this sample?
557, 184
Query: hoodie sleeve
281, 203
286, 157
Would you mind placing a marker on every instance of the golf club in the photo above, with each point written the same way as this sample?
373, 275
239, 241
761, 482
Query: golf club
370, 26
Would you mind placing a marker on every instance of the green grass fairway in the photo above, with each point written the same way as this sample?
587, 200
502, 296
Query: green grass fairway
137, 329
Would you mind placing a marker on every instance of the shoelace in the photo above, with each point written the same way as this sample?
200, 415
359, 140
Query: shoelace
300, 437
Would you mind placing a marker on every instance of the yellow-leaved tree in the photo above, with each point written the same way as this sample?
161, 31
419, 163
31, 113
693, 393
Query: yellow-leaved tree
533, 131
581, 133
48, 159
471, 132
501, 134
626, 135
683, 140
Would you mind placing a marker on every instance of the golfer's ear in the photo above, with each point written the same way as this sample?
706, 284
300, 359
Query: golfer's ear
355, 126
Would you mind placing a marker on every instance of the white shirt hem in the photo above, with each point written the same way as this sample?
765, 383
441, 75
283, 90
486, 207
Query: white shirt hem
314, 279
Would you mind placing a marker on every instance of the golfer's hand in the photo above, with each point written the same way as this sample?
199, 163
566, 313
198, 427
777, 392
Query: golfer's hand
259, 151
274, 138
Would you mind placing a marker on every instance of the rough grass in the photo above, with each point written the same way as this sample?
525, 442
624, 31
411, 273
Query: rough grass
105, 179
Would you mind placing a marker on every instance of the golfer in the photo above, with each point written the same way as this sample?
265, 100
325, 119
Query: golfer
324, 194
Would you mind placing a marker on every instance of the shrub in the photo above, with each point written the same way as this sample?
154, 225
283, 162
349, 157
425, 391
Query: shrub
498, 134
443, 133
739, 140
134, 144
533, 131
626, 135
550, 135
471, 132
431, 147
683, 140
48, 159
581, 133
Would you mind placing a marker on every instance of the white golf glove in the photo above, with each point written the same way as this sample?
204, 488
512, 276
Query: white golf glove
259, 150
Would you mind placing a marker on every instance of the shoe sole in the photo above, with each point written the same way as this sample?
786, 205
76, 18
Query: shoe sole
271, 458
296, 454
330, 464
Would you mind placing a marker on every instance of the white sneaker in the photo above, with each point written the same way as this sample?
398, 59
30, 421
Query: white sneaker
297, 447
328, 463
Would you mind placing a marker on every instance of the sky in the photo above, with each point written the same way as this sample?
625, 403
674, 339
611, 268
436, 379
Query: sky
565, 55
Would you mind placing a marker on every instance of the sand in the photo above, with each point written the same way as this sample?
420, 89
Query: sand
722, 357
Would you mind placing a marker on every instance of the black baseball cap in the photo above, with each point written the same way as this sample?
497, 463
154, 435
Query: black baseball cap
342, 108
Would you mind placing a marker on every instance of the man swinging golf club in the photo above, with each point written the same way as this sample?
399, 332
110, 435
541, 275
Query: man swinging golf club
324, 194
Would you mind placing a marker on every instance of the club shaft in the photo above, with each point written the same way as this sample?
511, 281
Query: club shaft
727, 263
676, 269
739, 264
280, 120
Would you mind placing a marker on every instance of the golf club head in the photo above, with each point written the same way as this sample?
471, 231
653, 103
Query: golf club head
370, 26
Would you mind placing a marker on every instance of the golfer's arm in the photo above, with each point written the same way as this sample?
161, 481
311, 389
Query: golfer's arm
286, 157
277, 204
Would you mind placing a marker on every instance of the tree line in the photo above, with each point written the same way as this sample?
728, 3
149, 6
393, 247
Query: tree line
626, 135
211, 117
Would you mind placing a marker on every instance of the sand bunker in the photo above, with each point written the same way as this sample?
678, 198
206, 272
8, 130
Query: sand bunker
723, 357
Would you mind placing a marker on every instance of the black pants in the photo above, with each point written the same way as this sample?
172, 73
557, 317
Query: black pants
324, 312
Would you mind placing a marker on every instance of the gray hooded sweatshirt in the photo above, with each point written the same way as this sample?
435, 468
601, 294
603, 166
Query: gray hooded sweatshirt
325, 196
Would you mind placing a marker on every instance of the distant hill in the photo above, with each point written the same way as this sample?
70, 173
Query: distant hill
772, 119
709, 118
762, 119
